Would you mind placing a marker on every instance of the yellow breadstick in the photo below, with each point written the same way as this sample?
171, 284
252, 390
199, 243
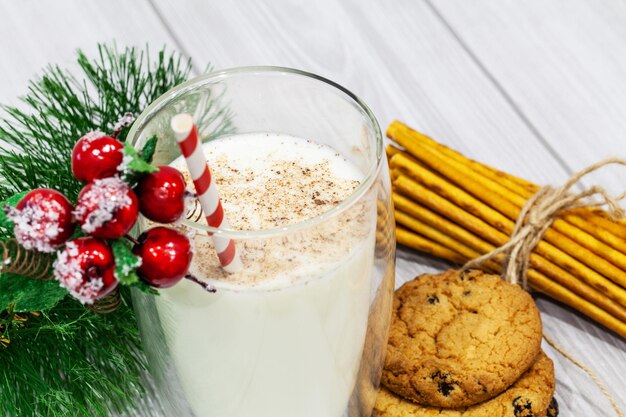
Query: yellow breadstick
460, 240
508, 195
475, 224
556, 245
415, 241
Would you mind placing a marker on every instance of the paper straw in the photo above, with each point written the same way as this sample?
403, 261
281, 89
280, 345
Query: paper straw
191, 148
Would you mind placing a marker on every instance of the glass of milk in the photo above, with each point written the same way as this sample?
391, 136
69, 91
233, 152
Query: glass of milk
302, 329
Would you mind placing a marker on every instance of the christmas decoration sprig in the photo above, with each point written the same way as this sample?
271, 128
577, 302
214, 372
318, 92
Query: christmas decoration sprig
58, 358
120, 183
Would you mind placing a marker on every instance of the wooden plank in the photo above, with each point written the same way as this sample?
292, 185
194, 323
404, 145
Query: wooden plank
415, 72
563, 64
35, 34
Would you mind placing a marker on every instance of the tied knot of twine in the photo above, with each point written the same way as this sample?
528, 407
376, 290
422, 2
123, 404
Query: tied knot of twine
534, 220
539, 213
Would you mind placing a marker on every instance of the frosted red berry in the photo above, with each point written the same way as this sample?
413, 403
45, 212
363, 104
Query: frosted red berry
107, 208
162, 195
165, 256
86, 268
42, 220
96, 156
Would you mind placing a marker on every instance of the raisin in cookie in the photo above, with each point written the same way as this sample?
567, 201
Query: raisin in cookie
553, 409
458, 339
529, 397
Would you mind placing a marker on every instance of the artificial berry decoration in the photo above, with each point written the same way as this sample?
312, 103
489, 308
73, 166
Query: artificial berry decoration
42, 219
86, 268
107, 208
96, 156
165, 256
162, 195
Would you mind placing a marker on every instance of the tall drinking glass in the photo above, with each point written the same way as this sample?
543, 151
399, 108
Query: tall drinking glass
301, 331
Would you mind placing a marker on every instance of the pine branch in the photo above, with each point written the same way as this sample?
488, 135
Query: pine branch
40, 147
67, 360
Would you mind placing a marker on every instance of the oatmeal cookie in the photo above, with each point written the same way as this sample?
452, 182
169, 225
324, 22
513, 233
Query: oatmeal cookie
458, 339
530, 396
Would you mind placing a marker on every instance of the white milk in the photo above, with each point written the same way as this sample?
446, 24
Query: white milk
285, 337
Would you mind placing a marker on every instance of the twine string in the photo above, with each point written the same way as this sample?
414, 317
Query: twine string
534, 220
587, 370
539, 213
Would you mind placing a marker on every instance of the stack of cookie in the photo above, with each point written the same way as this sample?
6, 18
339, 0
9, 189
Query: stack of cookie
465, 345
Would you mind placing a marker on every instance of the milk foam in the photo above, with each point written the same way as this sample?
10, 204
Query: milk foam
269, 181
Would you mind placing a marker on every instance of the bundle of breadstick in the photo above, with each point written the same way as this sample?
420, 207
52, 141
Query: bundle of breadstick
458, 209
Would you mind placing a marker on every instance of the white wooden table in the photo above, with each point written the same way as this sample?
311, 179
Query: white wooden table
534, 87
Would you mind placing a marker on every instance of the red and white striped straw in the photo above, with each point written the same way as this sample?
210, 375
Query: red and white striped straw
187, 137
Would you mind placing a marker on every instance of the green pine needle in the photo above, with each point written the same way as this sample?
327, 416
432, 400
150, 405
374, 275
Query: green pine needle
61, 110
67, 360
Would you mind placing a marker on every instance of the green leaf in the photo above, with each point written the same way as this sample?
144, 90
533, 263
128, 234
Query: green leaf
136, 164
147, 152
126, 262
12, 202
27, 294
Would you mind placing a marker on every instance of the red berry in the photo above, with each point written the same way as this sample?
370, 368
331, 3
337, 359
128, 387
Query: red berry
96, 156
86, 268
162, 195
107, 208
165, 256
42, 219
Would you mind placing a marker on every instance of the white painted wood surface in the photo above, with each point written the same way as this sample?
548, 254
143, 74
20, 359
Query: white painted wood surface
562, 63
535, 88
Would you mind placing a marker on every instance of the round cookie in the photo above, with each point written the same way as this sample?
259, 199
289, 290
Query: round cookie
553, 408
458, 339
530, 396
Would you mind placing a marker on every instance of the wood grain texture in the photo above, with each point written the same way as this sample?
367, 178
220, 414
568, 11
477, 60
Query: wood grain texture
34, 34
519, 85
414, 72
563, 63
